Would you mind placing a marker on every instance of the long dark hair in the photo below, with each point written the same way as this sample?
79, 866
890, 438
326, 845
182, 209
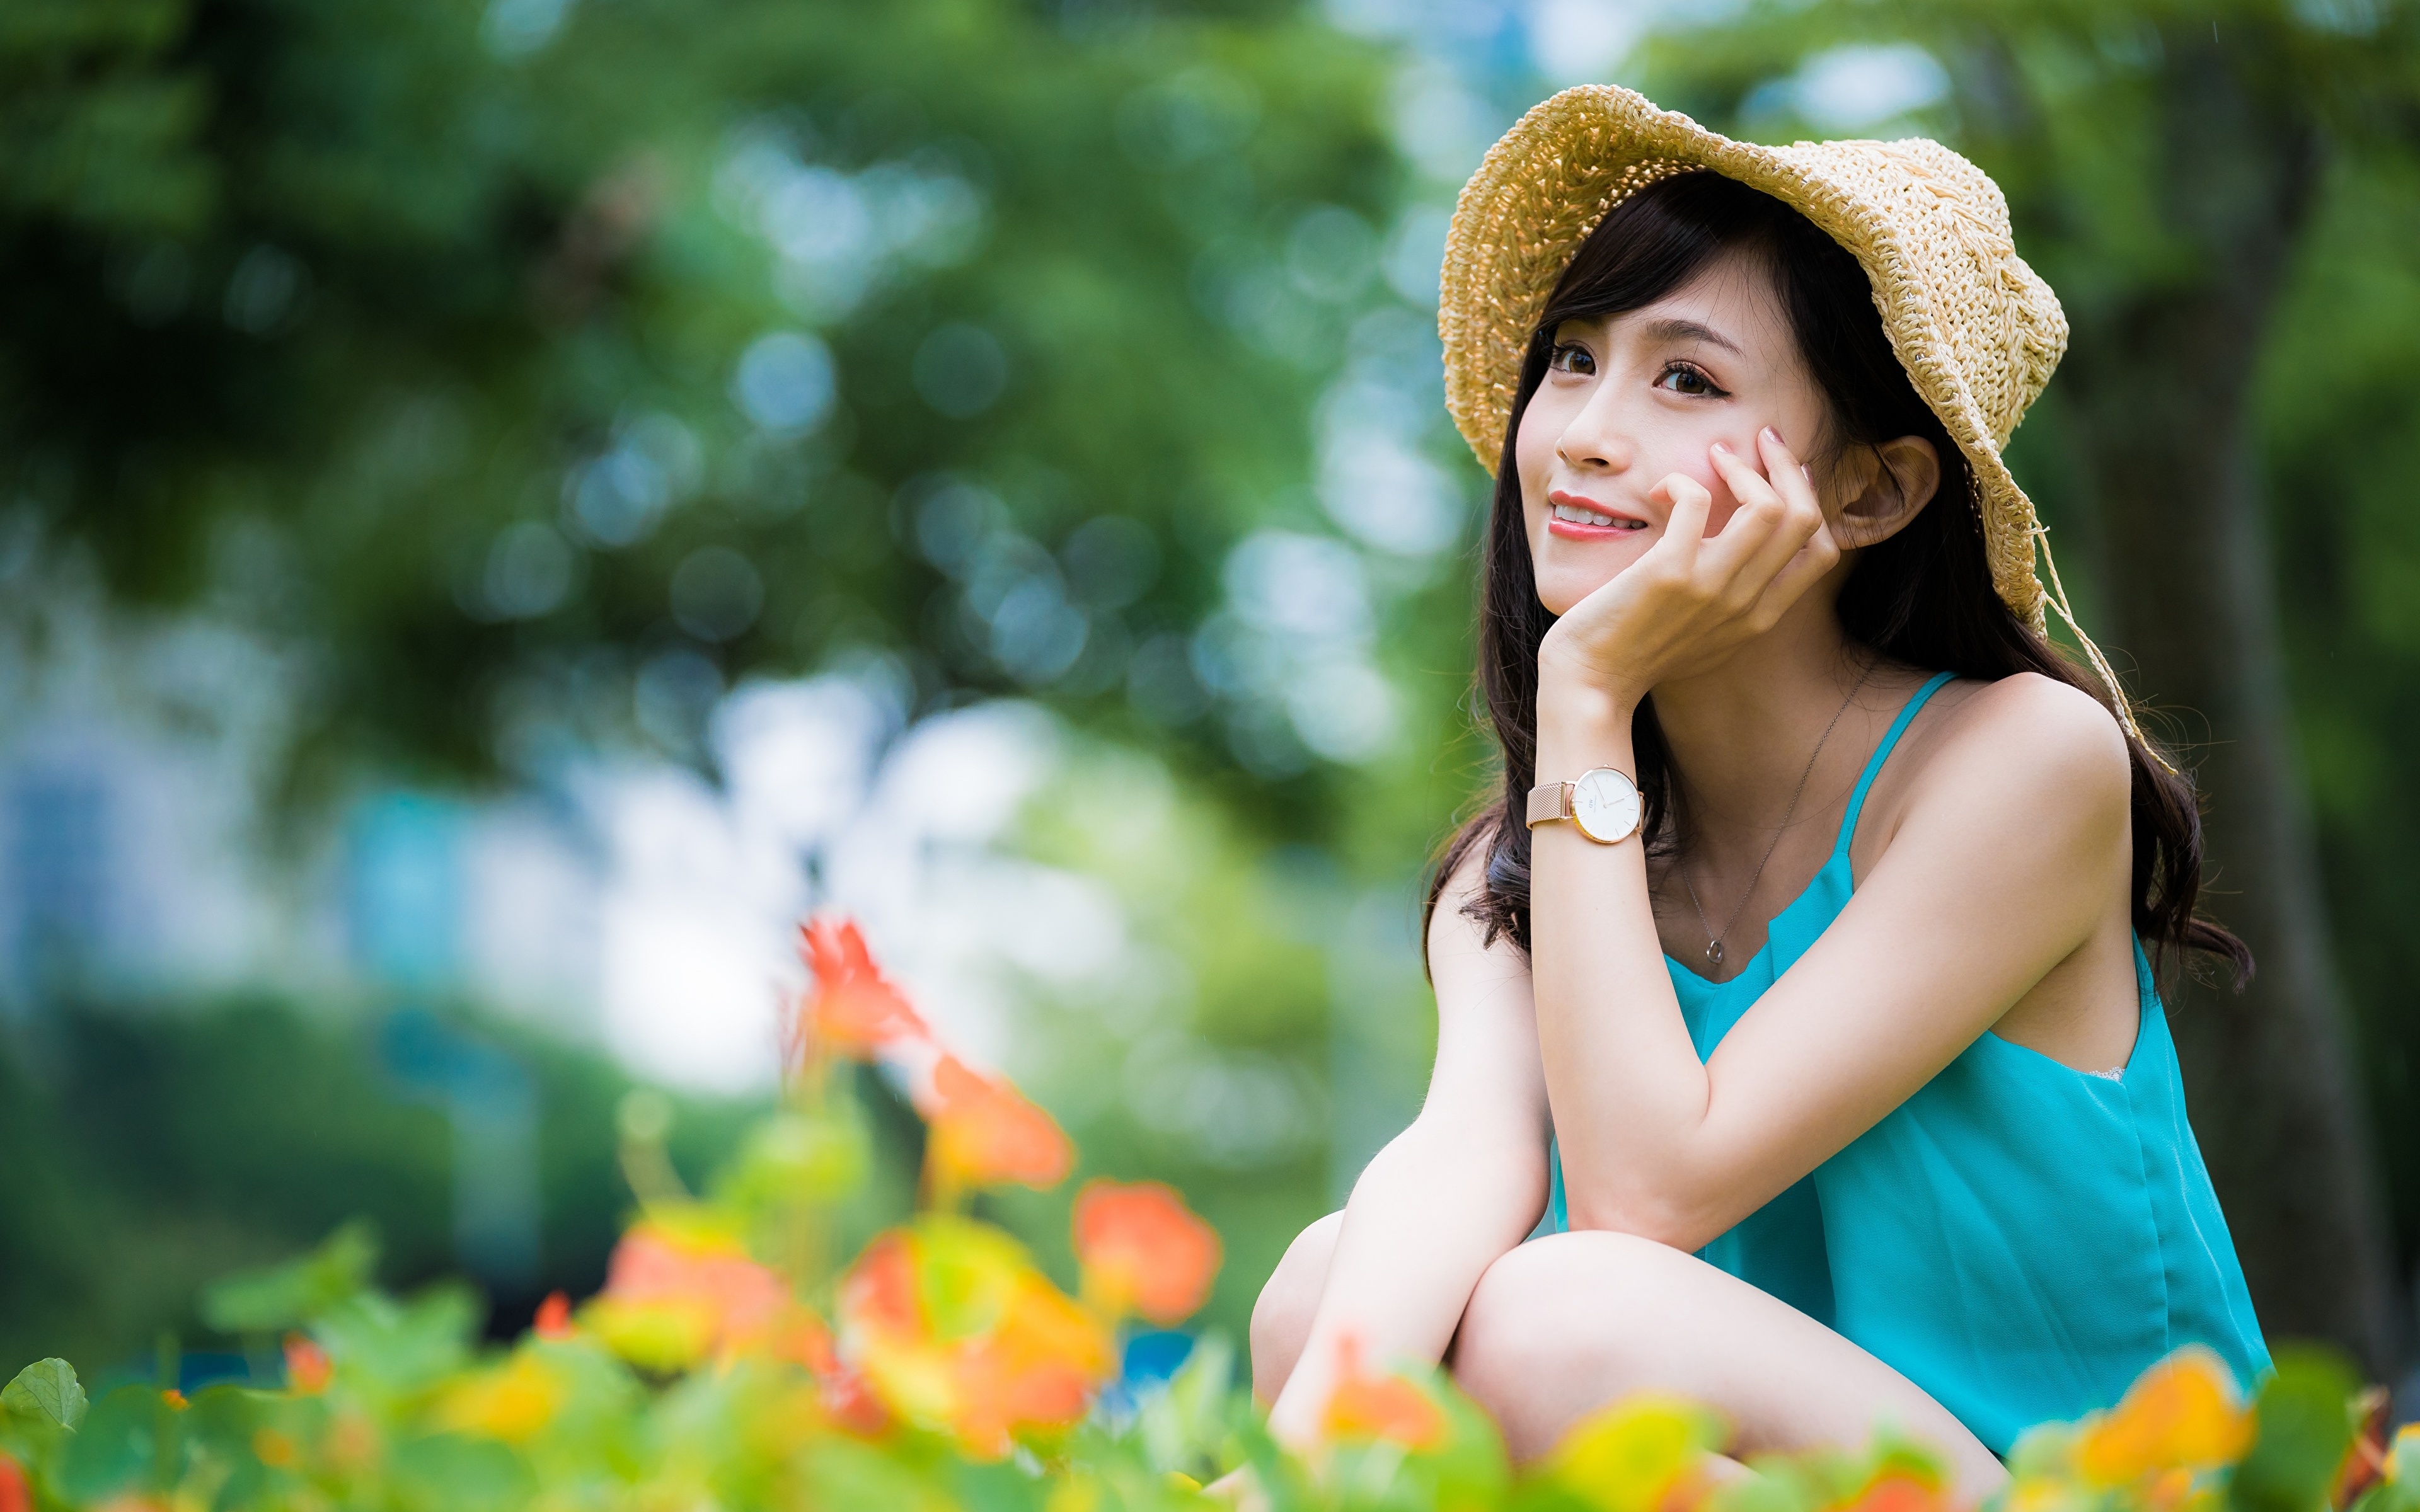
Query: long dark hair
1922, 597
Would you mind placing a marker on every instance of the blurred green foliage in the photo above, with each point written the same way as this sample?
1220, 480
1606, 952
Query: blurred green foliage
414, 335
151, 1152
526, 374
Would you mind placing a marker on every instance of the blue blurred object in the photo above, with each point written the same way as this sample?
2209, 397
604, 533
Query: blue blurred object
1155, 1355
403, 889
492, 1105
196, 1369
61, 855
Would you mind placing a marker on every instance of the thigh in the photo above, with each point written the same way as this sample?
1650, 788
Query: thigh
1563, 1325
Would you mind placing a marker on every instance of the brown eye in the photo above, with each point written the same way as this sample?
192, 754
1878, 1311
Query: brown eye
1683, 380
1569, 357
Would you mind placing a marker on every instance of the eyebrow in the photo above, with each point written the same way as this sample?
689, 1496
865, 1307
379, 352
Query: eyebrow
1674, 329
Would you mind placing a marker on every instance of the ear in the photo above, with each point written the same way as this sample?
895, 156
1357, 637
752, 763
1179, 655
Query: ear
1882, 488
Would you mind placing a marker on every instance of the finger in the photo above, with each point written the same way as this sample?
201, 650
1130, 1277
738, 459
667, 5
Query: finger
1802, 571
1800, 514
1748, 534
1793, 479
1684, 527
1794, 531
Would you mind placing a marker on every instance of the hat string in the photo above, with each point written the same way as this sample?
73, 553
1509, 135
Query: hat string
2058, 596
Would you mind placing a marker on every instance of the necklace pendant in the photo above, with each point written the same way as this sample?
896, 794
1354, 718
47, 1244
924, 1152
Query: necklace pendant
1713, 952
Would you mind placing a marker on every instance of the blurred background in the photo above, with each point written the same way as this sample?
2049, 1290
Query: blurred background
506, 505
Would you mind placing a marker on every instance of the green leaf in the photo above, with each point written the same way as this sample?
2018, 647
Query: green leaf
460, 1473
2306, 1412
403, 1346
46, 1392
996, 1487
283, 1296
117, 1444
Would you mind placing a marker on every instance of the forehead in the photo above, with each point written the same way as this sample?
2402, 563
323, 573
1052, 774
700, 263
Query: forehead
1735, 293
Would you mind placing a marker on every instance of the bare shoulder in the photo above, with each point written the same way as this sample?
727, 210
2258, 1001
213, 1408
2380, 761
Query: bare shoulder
2027, 737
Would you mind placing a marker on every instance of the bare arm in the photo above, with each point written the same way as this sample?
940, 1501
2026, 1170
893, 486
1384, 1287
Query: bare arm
1462, 1185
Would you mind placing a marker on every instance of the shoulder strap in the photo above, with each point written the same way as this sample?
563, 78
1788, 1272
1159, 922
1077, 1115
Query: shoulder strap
1882, 754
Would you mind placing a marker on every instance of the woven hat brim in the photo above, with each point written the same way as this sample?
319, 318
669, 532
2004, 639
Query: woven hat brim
1570, 161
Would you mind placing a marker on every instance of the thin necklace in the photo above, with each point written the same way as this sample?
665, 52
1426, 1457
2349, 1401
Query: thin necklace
1714, 935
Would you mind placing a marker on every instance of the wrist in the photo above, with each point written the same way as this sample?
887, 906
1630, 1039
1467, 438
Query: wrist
1566, 685
1582, 726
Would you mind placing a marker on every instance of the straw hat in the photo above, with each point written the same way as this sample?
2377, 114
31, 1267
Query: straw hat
1978, 331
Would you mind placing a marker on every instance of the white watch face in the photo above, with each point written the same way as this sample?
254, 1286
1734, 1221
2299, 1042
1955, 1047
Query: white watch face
1604, 805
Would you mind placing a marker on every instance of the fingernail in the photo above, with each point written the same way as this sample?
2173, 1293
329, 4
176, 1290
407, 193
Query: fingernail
1772, 435
1806, 472
1723, 447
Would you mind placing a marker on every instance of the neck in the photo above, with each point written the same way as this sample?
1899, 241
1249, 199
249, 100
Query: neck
1741, 734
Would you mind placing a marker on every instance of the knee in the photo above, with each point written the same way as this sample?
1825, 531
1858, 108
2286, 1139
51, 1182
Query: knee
1586, 1302
1281, 1317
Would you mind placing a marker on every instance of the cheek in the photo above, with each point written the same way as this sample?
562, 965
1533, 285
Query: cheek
1533, 457
1719, 513
1686, 456
1533, 443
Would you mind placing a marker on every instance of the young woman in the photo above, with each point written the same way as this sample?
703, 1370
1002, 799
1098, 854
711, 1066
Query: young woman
1797, 975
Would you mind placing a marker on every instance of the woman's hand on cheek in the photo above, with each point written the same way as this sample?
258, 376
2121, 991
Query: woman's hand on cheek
1692, 599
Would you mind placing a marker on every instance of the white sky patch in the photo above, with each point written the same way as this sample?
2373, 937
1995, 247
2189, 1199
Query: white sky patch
823, 808
1851, 88
1583, 41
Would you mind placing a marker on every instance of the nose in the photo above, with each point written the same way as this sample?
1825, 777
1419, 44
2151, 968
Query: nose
1595, 442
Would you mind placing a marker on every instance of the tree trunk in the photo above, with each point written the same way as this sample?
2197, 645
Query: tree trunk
2162, 384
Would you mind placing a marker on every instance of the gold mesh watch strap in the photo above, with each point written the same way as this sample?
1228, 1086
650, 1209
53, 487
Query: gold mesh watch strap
1549, 801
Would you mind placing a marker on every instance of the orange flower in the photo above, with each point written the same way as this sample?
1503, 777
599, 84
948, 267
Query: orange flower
950, 1327
306, 1365
2183, 1414
15, 1495
2365, 1459
983, 1132
676, 1292
554, 1319
1391, 1408
1143, 1251
853, 1405
1898, 1490
852, 1009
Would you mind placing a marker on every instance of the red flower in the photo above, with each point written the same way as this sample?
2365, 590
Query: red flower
983, 1132
15, 1495
306, 1365
677, 1292
948, 1326
553, 1321
852, 1009
1143, 1251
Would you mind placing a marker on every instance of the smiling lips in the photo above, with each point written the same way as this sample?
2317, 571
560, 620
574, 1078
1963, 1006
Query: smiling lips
1584, 520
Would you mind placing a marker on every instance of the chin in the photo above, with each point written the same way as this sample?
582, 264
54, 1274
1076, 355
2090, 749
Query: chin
1560, 591
1562, 583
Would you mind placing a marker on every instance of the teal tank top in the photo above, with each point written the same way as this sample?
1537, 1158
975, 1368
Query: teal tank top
2019, 1239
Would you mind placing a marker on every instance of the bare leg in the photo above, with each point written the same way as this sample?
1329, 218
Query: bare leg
1564, 1324
1282, 1318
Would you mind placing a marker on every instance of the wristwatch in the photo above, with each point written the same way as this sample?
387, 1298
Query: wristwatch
1603, 804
